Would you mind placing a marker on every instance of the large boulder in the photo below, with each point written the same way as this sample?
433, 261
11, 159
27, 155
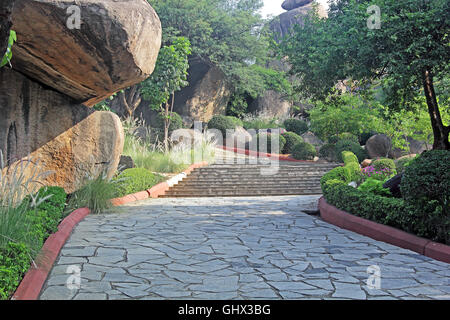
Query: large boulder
115, 47
239, 138
56, 132
271, 104
207, 94
282, 25
379, 146
293, 4
311, 138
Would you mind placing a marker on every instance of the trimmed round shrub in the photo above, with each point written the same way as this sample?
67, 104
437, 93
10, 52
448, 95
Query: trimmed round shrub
295, 125
328, 152
401, 164
339, 173
381, 165
349, 145
135, 180
175, 123
343, 136
428, 178
222, 123
267, 137
304, 151
291, 140
349, 157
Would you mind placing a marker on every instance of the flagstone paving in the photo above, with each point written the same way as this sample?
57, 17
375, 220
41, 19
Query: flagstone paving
234, 248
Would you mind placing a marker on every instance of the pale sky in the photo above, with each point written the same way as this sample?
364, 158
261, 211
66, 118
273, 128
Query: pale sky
274, 7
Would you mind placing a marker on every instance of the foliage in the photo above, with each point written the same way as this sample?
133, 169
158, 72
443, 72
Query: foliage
135, 180
169, 76
37, 217
229, 34
295, 125
328, 152
95, 194
365, 136
237, 122
405, 56
344, 115
349, 145
402, 163
339, 173
349, 157
8, 54
374, 186
428, 178
291, 140
222, 123
304, 151
261, 123
381, 175
175, 123
383, 164
266, 138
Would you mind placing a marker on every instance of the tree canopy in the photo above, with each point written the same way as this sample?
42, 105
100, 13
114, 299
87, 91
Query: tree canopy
405, 55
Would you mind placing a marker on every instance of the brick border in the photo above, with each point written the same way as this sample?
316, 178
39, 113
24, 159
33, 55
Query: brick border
31, 285
279, 157
381, 232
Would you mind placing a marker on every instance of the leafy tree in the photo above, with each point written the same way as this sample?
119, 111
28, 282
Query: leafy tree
170, 75
229, 34
405, 55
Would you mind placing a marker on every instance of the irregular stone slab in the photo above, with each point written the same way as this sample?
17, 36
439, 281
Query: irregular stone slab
115, 47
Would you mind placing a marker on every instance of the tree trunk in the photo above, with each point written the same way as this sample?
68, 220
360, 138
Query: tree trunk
131, 98
440, 131
5, 24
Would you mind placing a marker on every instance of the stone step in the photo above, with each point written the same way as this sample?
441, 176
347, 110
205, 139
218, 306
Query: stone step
242, 193
273, 183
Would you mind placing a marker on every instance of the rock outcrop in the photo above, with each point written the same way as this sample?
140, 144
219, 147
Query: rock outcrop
272, 105
115, 47
59, 71
56, 132
297, 11
206, 95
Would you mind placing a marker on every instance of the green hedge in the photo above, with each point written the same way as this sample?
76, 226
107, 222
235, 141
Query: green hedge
428, 219
222, 123
291, 140
38, 224
135, 180
295, 125
349, 145
385, 165
304, 151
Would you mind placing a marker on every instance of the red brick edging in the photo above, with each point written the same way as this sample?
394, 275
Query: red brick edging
279, 157
31, 285
381, 232
34, 279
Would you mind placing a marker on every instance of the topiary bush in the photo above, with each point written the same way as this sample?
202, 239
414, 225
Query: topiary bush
176, 122
295, 125
349, 157
267, 137
222, 123
291, 140
304, 151
349, 145
386, 165
401, 164
135, 180
427, 178
328, 152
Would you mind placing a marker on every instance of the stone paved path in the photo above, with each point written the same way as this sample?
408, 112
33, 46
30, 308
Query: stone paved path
235, 248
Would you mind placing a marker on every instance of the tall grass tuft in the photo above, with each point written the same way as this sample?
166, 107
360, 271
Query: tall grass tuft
18, 181
96, 194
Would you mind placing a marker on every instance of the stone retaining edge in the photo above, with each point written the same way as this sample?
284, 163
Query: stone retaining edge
31, 285
279, 157
381, 232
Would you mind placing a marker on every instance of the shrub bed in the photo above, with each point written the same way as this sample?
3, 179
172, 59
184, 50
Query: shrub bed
222, 123
304, 151
135, 180
37, 224
295, 125
424, 215
350, 145
291, 140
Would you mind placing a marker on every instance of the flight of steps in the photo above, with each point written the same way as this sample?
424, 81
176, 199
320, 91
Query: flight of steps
235, 180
